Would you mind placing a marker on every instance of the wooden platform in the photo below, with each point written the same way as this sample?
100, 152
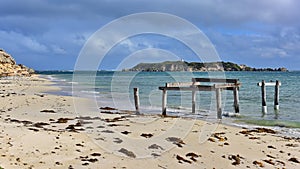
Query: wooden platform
216, 85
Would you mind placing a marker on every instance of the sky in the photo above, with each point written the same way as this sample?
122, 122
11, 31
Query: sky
50, 34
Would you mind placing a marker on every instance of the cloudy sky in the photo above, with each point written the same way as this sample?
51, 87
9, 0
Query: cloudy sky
49, 34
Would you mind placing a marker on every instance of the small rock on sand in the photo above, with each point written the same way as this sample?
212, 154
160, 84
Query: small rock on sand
125, 132
176, 141
236, 159
155, 146
147, 135
181, 159
127, 152
48, 111
293, 159
272, 147
95, 154
118, 140
269, 161
192, 156
258, 163
63, 120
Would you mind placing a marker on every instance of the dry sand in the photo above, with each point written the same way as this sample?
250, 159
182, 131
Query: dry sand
40, 130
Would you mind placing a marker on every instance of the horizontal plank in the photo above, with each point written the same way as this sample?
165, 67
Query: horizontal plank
195, 88
268, 84
226, 85
182, 84
215, 80
202, 88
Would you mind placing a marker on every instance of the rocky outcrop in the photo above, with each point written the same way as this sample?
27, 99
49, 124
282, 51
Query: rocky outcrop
196, 67
8, 66
165, 66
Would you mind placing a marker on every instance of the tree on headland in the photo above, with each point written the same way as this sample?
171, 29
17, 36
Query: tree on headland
196, 66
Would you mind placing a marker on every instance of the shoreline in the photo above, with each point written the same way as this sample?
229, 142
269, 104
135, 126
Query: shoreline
41, 130
284, 127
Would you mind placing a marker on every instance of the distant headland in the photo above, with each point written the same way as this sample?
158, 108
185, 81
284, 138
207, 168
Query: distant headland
197, 67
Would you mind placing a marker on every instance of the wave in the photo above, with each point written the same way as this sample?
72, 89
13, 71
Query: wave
72, 82
53, 79
89, 91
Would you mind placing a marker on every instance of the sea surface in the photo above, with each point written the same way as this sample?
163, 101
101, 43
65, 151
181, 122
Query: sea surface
110, 88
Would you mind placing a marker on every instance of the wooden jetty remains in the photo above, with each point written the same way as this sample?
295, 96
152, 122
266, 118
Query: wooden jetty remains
216, 85
136, 100
263, 85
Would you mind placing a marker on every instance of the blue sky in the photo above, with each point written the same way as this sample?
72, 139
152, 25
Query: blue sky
49, 34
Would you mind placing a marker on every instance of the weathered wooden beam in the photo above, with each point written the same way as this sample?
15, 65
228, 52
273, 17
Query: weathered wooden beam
269, 84
236, 100
219, 103
228, 85
215, 80
263, 97
164, 102
276, 95
192, 88
195, 88
193, 101
136, 100
182, 84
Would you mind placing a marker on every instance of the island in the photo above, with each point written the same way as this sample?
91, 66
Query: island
197, 67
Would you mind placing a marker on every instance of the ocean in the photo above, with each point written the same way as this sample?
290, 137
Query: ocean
115, 89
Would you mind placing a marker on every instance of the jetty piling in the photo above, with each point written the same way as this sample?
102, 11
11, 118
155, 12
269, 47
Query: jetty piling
164, 103
264, 97
236, 100
263, 85
136, 100
276, 95
194, 101
219, 103
217, 86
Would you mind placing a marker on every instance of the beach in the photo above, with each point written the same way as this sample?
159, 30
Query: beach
207, 84
43, 130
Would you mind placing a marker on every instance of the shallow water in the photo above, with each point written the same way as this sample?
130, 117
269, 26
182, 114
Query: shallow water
116, 88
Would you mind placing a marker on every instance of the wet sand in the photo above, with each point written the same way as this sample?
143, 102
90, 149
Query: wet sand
40, 130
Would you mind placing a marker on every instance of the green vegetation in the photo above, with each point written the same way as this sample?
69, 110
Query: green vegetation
196, 66
231, 66
288, 124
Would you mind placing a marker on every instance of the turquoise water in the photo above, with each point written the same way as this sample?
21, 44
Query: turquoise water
117, 88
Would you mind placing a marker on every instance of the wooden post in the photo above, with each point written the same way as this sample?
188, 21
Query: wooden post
263, 97
193, 101
276, 96
164, 102
136, 100
236, 99
219, 103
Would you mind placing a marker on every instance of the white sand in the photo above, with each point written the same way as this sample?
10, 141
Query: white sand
44, 131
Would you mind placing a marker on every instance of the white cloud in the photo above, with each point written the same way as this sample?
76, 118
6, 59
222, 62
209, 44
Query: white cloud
129, 45
242, 29
133, 46
58, 50
272, 53
33, 45
148, 55
23, 41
